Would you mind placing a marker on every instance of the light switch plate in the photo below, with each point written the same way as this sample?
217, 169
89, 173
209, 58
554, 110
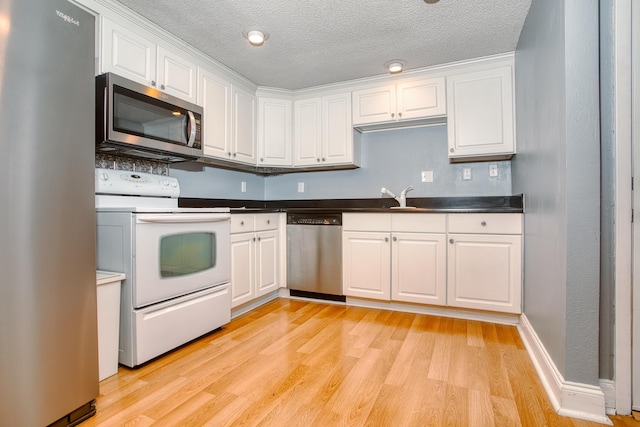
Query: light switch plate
301, 187
427, 176
466, 174
243, 187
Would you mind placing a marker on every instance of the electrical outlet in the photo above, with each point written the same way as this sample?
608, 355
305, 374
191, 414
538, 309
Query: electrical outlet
427, 176
466, 174
243, 187
493, 170
301, 187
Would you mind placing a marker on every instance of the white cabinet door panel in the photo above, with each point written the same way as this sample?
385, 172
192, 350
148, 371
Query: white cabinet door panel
242, 268
176, 75
418, 266
337, 130
127, 53
214, 95
374, 105
366, 265
267, 262
485, 272
422, 98
308, 131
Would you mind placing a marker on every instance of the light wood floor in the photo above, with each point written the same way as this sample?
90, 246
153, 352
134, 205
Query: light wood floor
296, 363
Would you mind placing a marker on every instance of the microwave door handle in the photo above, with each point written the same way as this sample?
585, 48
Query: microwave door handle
191, 130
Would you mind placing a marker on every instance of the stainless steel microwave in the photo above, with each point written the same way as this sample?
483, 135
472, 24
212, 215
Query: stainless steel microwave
142, 121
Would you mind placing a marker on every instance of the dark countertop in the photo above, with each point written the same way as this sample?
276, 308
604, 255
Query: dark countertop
485, 204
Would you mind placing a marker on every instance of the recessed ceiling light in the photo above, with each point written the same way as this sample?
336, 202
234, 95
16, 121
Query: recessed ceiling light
431, 1
395, 66
256, 37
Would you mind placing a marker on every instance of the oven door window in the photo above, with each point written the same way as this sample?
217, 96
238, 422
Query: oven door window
141, 115
188, 253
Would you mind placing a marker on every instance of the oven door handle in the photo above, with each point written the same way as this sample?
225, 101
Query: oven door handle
176, 218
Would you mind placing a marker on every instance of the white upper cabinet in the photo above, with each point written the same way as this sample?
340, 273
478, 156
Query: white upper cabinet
214, 95
243, 119
229, 129
323, 131
480, 115
411, 100
134, 56
274, 132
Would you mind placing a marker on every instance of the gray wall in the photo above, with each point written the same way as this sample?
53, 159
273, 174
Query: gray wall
558, 169
197, 180
395, 159
607, 208
392, 159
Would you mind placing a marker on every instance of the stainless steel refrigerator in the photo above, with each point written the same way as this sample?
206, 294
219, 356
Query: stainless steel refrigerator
48, 325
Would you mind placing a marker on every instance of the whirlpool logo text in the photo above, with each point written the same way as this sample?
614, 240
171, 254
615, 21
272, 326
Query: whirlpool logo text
67, 18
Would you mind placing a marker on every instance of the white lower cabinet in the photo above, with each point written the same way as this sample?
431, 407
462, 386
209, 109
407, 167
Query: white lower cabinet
485, 262
254, 256
458, 260
366, 264
404, 261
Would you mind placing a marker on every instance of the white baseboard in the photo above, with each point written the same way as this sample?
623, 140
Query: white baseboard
576, 400
609, 389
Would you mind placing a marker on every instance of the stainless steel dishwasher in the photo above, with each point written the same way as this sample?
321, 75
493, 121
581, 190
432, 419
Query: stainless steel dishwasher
314, 255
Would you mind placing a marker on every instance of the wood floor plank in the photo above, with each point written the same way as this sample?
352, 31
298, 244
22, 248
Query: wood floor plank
300, 363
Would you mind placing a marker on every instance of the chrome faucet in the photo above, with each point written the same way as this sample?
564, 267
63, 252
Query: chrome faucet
402, 199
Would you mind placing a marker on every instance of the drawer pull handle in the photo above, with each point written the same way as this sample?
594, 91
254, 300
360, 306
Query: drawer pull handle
386, 239
241, 222
451, 241
483, 223
395, 239
268, 221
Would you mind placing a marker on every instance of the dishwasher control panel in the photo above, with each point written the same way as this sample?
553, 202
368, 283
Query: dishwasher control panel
314, 219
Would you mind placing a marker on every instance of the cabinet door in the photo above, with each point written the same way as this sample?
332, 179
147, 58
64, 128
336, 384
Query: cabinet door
244, 126
480, 116
214, 95
242, 268
374, 105
337, 129
127, 54
366, 265
307, 132
274, 132
421, 99
266, 262
419, 268
485, 272
176, 75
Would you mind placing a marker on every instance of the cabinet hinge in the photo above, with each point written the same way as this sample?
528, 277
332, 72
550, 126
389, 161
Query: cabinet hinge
631, 215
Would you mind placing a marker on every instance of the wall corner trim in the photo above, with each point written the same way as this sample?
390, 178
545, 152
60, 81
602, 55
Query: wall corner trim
576, 400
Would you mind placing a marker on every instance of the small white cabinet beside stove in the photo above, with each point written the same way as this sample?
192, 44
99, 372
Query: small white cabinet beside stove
255, 256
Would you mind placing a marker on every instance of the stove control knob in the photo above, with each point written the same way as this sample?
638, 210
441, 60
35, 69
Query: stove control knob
174, 184
104, 176
166, 182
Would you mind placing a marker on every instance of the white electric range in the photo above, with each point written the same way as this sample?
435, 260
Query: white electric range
176, 261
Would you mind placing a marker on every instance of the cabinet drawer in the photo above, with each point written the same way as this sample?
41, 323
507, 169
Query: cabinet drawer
242, 223
265, 222
425, 223
366, 222
485, 223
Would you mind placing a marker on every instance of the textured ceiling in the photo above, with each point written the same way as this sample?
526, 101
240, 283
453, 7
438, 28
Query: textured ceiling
315, 42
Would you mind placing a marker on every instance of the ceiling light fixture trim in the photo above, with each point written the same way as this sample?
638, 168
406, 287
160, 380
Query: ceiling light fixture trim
395, 66
255, 37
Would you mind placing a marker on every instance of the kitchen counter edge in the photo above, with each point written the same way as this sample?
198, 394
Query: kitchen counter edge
485, 204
